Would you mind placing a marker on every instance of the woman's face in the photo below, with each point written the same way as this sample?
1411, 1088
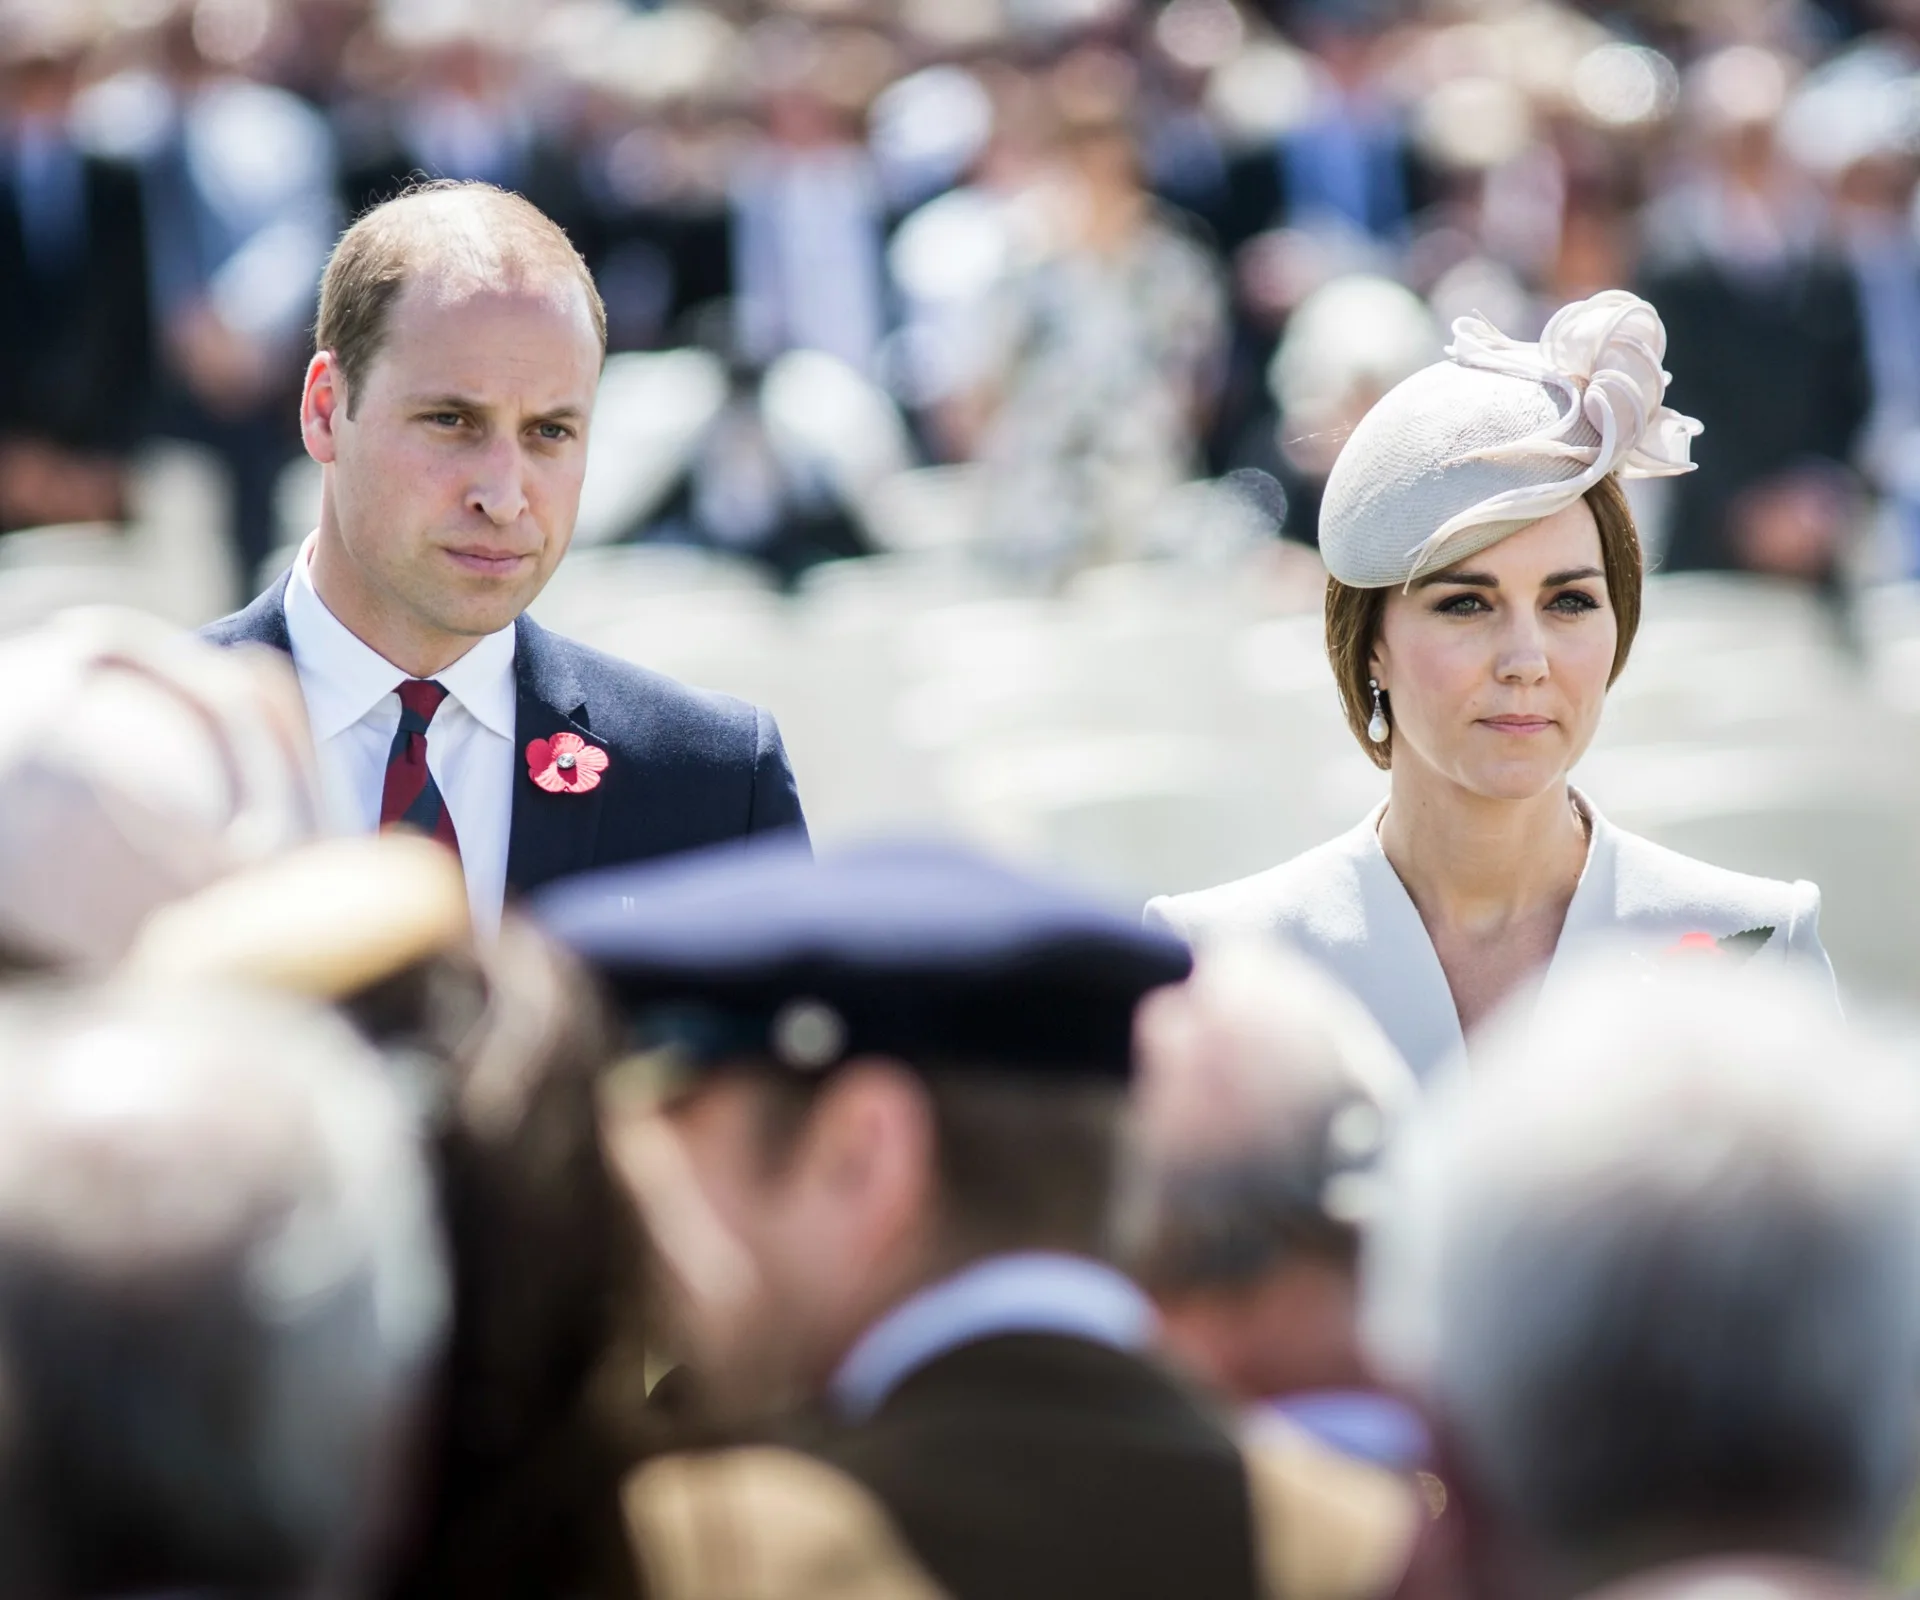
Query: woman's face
1497, 667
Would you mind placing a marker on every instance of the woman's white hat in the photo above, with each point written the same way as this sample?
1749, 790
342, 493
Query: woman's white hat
1499, 435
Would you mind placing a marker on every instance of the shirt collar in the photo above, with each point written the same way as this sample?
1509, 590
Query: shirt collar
345, 678
1033, 1292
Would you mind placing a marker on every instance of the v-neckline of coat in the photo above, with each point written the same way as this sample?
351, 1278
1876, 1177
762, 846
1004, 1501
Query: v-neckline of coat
1430, 975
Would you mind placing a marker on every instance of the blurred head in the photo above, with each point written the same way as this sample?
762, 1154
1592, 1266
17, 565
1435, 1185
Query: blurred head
1493, 672
1347, 344
1734, 99
221, 1294
1654, 1268
137, 765
852, 1075
1264, 1094
460, 339
502, 1042
795, 1213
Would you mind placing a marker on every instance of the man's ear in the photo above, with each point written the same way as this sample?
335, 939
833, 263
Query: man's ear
871, 1137
323, 403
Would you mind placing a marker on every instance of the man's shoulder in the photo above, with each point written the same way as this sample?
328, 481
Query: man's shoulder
262, 621
626, 701
796, 1528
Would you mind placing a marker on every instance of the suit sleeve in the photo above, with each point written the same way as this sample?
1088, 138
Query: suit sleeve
775, 802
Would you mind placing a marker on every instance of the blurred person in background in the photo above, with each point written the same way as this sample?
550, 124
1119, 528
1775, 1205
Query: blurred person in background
807, 208
1347, 166
1347, 343
221, 1297
873, 1121
451, 97
459, 348
76, 343
1484, 589
1264, 1095
949, 256
1855, 123
137, 765
1764, 325
241, 211
539, 1409
1106, 348
1654, 1271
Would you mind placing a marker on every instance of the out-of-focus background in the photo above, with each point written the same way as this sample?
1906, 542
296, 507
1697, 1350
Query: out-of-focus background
977, 364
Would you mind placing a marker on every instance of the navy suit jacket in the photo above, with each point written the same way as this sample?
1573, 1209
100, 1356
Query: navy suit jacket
687, 768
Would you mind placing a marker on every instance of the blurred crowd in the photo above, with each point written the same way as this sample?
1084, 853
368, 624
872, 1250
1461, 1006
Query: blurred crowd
1094, 249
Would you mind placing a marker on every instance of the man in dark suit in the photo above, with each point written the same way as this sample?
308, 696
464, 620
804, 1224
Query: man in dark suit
459, 348
75, 337
874, 1128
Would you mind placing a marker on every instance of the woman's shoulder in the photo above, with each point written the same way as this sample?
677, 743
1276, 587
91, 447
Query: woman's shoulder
1315, 897
1651, 881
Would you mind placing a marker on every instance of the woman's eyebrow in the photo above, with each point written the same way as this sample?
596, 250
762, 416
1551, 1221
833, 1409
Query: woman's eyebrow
1473, 580
1553, 580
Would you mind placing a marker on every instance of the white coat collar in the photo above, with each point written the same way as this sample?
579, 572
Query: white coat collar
1419, 981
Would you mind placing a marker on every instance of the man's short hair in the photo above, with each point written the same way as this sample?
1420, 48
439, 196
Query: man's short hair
221, 1294
1654, 1265
486, 234
1021, 1164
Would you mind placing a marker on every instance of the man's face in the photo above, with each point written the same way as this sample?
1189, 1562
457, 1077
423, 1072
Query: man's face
781, 1247
457, 461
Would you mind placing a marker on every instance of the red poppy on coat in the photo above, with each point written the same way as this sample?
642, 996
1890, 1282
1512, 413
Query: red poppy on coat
565, 764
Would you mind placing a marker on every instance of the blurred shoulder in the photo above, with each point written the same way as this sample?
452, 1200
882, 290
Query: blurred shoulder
1326, 1527
1315, 899
765, 1523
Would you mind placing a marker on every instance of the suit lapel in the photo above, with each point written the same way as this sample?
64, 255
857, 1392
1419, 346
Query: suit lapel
1399, 974
549, 835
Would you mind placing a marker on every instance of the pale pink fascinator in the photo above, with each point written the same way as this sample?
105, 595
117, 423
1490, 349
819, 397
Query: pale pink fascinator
1499, 435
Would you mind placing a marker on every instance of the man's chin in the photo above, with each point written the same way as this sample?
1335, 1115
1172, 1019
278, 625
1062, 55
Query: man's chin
476, 609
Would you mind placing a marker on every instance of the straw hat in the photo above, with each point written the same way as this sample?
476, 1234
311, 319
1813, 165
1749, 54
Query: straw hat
1498, 436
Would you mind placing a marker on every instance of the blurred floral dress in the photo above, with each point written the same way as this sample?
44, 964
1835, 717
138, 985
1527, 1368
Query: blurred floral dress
1103, 361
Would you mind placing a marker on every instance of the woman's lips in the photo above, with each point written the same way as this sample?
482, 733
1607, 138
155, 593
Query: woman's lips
1518, 725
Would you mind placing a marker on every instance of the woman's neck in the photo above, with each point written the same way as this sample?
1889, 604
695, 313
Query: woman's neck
1475, 864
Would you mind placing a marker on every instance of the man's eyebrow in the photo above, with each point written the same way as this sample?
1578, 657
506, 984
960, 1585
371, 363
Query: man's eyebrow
459, 402
1473, 580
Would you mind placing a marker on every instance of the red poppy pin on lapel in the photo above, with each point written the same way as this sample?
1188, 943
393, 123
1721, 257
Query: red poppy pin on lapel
565, 764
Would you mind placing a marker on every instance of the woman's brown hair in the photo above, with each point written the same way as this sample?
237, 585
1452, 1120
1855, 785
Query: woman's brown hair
1353, 615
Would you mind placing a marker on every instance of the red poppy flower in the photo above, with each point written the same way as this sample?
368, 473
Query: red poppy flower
1689, 944
565, 764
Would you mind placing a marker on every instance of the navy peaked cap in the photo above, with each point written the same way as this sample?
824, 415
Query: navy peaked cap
927, 952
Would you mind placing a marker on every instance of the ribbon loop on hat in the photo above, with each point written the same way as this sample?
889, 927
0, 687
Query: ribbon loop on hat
1604, 354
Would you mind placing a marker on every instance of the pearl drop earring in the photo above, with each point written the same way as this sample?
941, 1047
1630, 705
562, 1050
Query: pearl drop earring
1377, 727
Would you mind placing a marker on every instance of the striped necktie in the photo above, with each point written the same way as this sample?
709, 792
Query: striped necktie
411, 798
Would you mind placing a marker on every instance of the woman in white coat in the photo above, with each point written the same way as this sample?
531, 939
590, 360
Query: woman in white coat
1485, 585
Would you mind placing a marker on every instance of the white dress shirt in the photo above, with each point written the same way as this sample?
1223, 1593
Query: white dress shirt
353, 705
1036, 1291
